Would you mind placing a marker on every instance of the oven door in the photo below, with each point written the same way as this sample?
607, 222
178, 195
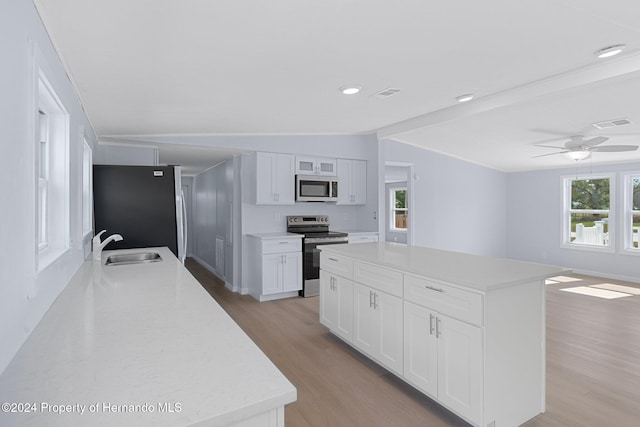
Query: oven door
311, 263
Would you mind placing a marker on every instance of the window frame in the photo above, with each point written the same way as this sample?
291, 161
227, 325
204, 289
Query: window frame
567, 210
87, 187
393, 209
52, 170
628, 213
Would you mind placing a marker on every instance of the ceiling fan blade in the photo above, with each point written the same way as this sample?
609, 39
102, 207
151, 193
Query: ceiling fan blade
550, 154
594, 141
614, 148
549, 146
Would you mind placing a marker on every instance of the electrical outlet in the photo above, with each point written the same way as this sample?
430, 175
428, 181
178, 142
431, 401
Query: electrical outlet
345, 216
375, 216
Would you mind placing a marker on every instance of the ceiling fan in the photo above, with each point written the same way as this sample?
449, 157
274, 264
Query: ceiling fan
578, 147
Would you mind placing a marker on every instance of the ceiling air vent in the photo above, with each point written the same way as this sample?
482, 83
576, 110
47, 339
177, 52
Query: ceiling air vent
385, 93
612, 123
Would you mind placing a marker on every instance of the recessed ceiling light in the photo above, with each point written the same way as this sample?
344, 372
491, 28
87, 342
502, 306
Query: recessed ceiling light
609, 51
464, 98
350, 90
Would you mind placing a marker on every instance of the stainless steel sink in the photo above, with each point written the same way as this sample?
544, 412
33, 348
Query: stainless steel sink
133, 258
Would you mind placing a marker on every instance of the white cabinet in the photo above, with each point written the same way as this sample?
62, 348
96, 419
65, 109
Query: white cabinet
336, 304
352, 182
275, 268
363, 237
315, 166
275, 178
378, 326
443, 358
474, 348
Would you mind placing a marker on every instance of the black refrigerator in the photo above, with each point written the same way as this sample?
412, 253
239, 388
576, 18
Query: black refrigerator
144, 204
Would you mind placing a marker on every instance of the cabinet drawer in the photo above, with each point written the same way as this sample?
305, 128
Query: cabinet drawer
383, 279
336, 264
453, 302
281, 245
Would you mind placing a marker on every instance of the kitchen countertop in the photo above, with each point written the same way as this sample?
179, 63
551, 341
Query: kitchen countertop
480, 273
131, 337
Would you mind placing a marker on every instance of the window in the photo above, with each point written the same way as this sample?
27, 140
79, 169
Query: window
52, 173
588, 222
399, 209
87, 184
632, 213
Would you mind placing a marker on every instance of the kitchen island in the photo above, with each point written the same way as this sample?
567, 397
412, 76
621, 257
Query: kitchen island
466, 330
145, 345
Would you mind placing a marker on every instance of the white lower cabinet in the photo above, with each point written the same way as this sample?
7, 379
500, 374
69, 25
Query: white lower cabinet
443, 358
378, 326
477, 352
281, 273
275, 267
336, 304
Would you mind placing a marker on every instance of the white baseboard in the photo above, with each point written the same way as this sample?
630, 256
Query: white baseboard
606, 275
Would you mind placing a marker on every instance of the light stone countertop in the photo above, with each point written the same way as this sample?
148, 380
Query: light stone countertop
479, 273
143, 334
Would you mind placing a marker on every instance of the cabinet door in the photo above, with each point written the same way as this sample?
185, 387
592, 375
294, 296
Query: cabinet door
272, 273
364, 319
344, 182
359, 182
460, 367
305, 166
344, 290
328, 301
285, 179
275, 178
326, 167
388, 309
265, 186
292, 271
420, 348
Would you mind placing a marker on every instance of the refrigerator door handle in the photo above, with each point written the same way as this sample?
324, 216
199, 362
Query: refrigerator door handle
184, 227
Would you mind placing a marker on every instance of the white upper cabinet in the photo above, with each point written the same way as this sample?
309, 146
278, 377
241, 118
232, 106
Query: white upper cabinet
352, 182
275, 179
315, 166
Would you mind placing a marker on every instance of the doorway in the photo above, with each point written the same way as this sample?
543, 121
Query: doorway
398, 189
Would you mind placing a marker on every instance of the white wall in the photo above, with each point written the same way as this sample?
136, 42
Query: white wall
213, 195
24, 294
534, 213
459, 206
105, 154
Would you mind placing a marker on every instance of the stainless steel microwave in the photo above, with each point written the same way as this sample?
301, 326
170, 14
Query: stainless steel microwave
313, 188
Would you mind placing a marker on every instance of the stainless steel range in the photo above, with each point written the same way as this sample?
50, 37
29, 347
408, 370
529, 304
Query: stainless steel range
316, 233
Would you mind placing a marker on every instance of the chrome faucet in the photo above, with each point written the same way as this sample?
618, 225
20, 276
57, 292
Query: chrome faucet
98, 246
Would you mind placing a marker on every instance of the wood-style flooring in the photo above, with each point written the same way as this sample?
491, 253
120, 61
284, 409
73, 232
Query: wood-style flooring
593, 363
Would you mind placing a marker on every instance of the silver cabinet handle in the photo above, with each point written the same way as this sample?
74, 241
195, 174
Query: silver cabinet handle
438, 332
334, 259
431, 329
283, 243
375, 301
434, 289
370, 299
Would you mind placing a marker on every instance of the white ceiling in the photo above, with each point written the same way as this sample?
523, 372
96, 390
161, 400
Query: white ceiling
150, 67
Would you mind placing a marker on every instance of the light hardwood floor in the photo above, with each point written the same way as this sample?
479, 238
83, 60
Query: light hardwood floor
593, 363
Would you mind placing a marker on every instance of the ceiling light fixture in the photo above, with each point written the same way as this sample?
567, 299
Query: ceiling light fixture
464, 98
578, 154
350, 90
609, 51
